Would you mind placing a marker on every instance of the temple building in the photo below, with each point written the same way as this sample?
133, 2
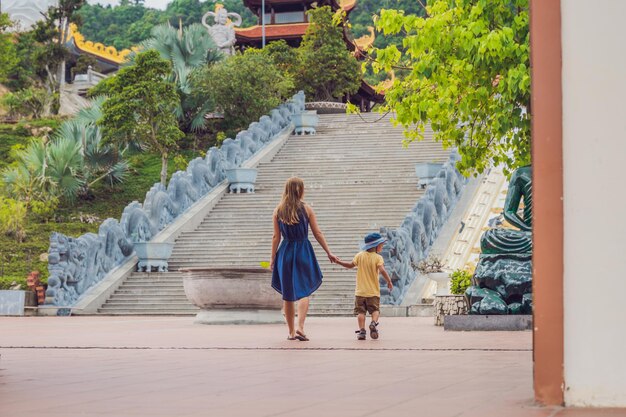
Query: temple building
288, 20
285, 19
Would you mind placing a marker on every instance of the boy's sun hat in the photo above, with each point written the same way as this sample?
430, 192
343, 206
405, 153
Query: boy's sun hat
372, 240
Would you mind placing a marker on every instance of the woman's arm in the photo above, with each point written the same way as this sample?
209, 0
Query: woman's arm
275, 240
317, 233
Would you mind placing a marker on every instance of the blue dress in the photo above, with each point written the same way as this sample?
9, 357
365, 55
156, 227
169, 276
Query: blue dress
296, 272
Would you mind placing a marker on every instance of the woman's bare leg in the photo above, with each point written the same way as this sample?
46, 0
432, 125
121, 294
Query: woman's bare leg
303, 308
290, 313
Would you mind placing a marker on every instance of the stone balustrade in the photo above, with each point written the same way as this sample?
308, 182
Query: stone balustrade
410, 243
76, 264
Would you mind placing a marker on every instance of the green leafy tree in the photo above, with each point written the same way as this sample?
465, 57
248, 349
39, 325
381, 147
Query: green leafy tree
467, 75
122, 26
8, 51
53, 34
27, 72
186, 49
243, 87
191, 11
284, 56
28, 102
130, 23
361, 17
141, 107
326, 68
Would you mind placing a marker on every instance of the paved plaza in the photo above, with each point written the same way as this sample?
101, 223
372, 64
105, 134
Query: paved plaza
167, 366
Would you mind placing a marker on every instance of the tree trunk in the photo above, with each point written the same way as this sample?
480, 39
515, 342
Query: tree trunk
164, 168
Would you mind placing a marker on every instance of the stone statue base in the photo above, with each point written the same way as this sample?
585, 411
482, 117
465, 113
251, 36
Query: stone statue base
503, 285
241, 187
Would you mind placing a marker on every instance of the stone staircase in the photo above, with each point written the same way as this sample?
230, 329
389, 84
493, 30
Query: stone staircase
358, 178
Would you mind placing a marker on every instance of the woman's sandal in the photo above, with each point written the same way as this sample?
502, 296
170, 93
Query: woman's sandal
301, 336
291, 338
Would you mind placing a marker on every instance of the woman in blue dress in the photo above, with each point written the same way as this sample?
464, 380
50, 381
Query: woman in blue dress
295, 271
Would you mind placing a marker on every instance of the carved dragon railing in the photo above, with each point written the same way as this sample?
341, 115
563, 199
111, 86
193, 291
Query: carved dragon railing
411, 242
76, 264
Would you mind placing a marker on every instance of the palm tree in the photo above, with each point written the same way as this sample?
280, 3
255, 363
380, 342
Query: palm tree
100, 161
69, 164
188, 49
45, 169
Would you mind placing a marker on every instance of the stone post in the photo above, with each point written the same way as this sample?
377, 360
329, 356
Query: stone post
447, 305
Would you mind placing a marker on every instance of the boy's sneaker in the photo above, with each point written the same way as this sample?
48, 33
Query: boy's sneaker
361, 334
374, 330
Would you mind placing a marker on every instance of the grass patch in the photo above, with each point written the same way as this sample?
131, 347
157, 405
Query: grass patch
106, 201
20, 134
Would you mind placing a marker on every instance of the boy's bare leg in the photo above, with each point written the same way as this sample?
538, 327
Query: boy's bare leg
303, 308
375, 316
290, 314
361, 320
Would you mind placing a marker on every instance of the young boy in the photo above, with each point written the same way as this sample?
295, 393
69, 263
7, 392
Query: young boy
367, 295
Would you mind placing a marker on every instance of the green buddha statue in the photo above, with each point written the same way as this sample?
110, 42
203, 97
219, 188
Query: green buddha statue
503, 277
509, 240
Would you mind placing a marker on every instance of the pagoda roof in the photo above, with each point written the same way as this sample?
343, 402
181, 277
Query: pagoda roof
280, 31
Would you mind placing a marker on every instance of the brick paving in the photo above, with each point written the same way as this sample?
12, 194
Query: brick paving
167, 366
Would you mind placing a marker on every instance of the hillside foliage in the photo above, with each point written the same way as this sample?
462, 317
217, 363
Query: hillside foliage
130, 22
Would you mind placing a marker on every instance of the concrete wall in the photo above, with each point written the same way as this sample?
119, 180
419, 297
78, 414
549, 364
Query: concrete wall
594, 158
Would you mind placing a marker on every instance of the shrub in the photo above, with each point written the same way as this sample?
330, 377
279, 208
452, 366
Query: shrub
45, 209
13, 218
459, 281
244, 87
9, 282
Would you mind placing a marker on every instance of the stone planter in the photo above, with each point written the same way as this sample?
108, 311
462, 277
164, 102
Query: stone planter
449, 305
12, 302
153, 255
426, 171
233, 295
305, 122
241, 179
443, 282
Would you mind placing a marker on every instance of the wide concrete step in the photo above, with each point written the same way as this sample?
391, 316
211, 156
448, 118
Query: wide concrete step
147, 285
122, 312
150, 297
113, 304
328, 230
156, 292
147, 302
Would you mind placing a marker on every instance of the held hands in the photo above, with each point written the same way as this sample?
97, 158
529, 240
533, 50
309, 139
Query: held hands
332, 258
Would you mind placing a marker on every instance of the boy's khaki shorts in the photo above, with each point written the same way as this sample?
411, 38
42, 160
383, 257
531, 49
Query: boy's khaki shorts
364, 305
